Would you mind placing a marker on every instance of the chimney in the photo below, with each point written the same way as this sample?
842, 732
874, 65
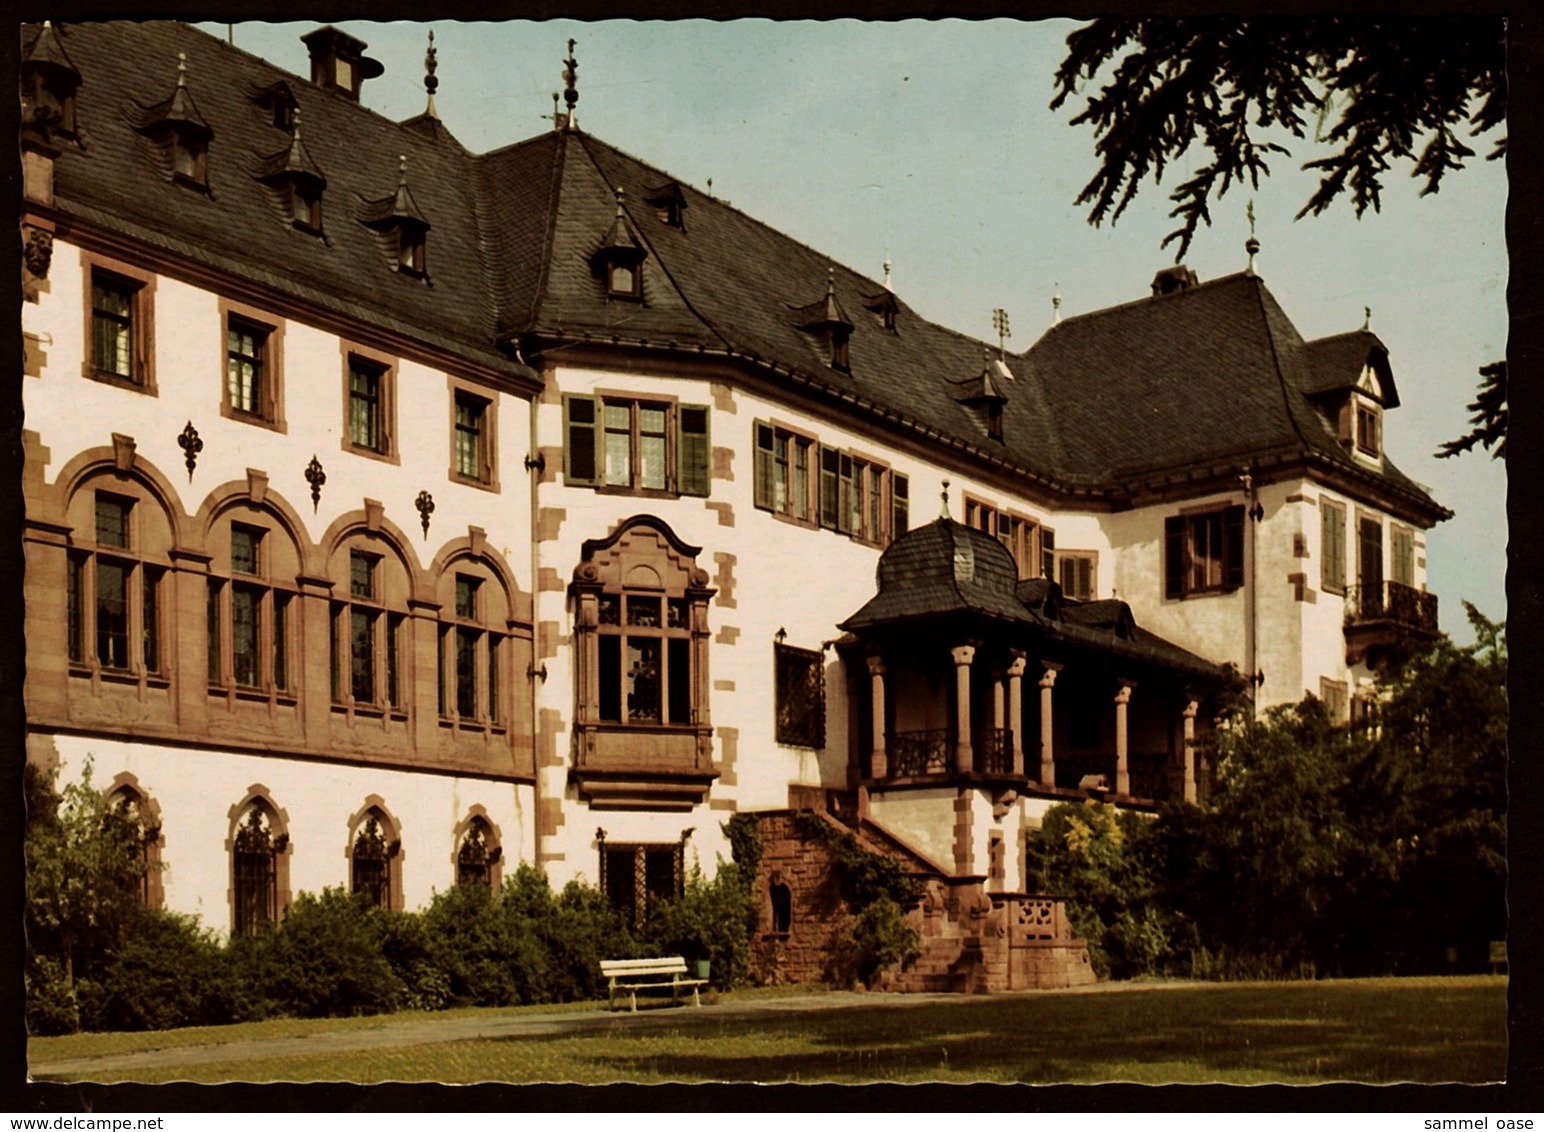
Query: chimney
338, 61
1172, 279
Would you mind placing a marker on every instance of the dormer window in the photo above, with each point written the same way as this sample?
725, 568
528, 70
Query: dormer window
278, 102
410, 249
181, 131
1369, 428
189, 157
401, 228
48, 84
622, 281
670, 203
294, 178
883, 307
827, 323
619, 258
306, 205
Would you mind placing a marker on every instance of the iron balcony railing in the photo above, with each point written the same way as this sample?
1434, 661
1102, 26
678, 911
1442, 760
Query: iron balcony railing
1392, 601
918, 754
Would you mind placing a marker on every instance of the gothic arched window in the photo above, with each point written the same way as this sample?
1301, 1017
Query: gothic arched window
256, 850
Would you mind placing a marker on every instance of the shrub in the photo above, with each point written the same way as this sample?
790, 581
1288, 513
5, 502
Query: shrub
166, 972
326, 959
873, 940
580, 929
51, 1005
711, 921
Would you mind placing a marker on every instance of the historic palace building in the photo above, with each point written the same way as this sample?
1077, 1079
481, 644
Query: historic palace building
397, 514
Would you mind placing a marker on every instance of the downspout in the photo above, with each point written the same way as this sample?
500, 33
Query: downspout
1254, 512
536, 673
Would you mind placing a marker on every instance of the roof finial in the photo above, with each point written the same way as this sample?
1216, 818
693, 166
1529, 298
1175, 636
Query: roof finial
1251, 245
401, 169
830, 280
431, 84
295, 133
619, 201
182, 68
944, 495
1056, 305
1000, 324
887, 271
571, 86
1366, 318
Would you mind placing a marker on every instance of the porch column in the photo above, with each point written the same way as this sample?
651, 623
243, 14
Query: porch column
878, 762
964, 754
1190, 749
1016, 711
1047, 759
1122, 766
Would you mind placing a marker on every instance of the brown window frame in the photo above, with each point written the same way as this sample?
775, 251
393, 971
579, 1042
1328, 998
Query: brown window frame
1022, 535
384, 367
790, 443
1367, 425
276, 609
1180, 554
1065, 558
679, 482
487, 402
270, 400
139, 286
145, 640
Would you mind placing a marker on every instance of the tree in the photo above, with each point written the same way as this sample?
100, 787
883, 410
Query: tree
1488, 415
1390, 85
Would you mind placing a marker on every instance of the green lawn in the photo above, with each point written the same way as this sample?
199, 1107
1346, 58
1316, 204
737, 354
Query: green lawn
1375, 1030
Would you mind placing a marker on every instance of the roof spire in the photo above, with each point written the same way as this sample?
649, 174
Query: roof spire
431, 84
1366, 318
182, 68
1251, 245
1000, 324
887, 271
571, 86
944, 495
1056, 305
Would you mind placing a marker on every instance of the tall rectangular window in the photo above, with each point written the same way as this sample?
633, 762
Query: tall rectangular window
1402, 555
245, 365
1369, 422
471, 440
112, 325
1332, 546
801, 696
393, 660
281, 642
362, 656
212, 634
150, 619
466, 673
246, 610
900, 505
493, 679
694, 452
112, 614
366, 405
782, 472
75, 645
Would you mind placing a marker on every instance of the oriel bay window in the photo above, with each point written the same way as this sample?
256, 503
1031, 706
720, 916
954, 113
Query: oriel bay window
630, 444
115, 575
641, 650
1204, 552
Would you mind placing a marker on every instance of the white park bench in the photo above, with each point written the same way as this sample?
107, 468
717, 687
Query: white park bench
630, 976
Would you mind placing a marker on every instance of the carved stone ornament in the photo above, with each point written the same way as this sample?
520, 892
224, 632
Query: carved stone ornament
316, 478
425, 505
37, 252
191, 444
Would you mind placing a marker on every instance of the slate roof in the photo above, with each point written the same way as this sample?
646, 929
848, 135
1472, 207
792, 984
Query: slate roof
1206, 380
1335, 363
945, 569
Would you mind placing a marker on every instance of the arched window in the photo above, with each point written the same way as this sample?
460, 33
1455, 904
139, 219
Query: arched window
477, 855
126, 801
782, 907
252, 606
641, 665
473, 645
117, 567
256, 850
374, 852
369, 662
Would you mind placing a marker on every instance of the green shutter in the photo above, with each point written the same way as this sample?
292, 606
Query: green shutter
1233, 548
830, 510
579, 440
764, 467
1332, 541
693, 452
1174, 556
900, 505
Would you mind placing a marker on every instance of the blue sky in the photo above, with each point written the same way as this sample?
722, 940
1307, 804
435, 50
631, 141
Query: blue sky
931, 142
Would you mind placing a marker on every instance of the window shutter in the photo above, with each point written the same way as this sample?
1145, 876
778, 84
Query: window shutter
579, 440
830, 464
1047, 554
1233, 548
692, 450
900, 503
1174, 556
764, 467
1345, 422
1332, 540
1085, 578
848, 515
